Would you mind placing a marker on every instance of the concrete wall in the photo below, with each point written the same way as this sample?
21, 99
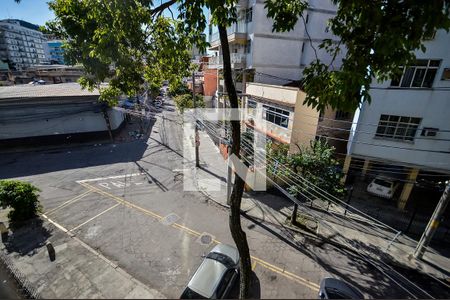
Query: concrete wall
54, 119
430, 104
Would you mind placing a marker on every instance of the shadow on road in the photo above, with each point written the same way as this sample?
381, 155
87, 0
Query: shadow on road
26, 239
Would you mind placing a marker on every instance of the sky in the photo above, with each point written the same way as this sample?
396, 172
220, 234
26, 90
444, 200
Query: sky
33, 11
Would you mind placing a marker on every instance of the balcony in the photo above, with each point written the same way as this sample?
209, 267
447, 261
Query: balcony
237, 61
237, 33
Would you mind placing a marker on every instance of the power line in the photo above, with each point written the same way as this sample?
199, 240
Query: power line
370, 144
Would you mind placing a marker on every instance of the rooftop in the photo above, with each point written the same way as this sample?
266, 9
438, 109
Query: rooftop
29, 91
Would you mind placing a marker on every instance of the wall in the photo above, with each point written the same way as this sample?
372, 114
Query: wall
210, 82
19, 121
432, 105
305, 124
276, 96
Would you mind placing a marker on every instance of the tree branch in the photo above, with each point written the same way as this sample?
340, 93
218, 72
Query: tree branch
162, 7
309, 37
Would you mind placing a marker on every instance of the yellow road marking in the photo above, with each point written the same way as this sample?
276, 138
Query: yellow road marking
285, 273
96, 216
253, 265
76, 198
261, 262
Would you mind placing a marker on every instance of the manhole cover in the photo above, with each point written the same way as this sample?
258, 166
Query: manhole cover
170, 219
205, 239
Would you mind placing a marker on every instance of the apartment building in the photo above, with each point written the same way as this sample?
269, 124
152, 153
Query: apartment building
272, 57
279, 113
54, 51
21, 44
407, 124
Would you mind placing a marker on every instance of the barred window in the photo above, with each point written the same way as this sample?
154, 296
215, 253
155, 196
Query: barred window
419, 75
398, 127
276, 116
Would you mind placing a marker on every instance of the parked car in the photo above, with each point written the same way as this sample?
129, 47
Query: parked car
216, 276
383, 187
332, 288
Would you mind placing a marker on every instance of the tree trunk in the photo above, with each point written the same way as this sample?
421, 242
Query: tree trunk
108, 123
237, 233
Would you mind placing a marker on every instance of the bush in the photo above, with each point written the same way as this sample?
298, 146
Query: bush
22, 197
185, 102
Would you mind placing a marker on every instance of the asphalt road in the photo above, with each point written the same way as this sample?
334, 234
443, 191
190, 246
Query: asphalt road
127, 201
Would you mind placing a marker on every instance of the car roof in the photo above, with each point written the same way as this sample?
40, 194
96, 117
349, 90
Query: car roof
342, 286
207, 277
228, 250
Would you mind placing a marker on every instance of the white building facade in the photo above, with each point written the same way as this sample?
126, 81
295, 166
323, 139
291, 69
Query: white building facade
21, 44
407, 122
275, 57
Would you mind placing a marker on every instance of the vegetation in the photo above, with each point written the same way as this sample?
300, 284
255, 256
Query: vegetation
185, 102
22, 197
176, 89
314, 163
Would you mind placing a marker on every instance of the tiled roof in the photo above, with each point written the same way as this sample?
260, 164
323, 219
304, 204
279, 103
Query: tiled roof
27, 91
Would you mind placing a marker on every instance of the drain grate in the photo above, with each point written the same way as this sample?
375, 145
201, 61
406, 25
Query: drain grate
170, 219
205, 239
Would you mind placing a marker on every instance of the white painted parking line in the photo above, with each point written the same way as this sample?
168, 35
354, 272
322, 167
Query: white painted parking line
110, 177
94, 217
79, 197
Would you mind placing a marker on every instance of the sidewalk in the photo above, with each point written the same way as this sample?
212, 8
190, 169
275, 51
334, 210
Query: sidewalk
351, 230
77, 272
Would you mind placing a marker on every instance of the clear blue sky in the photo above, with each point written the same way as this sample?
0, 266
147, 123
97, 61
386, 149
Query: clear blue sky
33, 11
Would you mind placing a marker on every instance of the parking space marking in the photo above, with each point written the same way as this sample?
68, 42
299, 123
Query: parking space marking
94, 217
262, 263
110, 177
76, 198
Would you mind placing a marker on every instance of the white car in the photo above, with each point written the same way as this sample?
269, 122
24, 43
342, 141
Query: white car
216, 276
383, 187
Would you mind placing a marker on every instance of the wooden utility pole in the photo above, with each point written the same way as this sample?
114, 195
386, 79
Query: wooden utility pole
197, 136
433, 223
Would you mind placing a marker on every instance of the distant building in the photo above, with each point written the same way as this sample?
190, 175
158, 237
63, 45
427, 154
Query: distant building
21, 44
54, 52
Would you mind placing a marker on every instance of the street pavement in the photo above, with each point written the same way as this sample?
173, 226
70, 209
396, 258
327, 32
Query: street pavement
120, 211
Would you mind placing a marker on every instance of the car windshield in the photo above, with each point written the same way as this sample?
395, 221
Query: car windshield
225, 260
333, 293
382, 182
190, 294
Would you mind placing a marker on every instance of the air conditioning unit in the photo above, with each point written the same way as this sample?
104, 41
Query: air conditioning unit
429, 131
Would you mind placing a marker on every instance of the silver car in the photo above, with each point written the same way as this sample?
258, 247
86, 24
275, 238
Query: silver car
216, 276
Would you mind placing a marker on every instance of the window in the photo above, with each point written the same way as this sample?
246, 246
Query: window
397, 127
221, 289
421, 74
248, 15
248, 46
276, 116
251, 107
342, 115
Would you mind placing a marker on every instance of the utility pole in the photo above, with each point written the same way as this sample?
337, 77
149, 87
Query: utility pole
197, 136
433, 223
